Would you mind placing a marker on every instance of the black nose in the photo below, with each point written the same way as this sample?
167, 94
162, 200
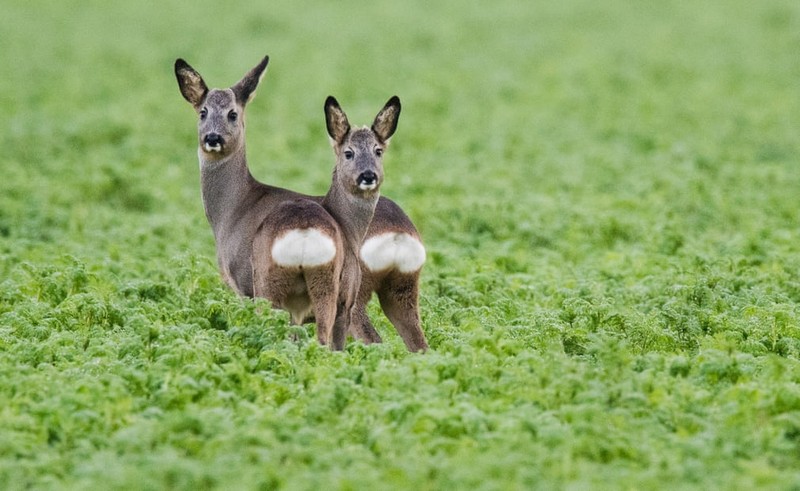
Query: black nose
213, 139
367, 178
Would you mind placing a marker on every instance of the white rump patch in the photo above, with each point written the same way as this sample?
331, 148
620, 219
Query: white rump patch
304, 247
393, 250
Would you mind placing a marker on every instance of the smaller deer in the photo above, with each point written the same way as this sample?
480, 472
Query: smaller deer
352, 202
271, 242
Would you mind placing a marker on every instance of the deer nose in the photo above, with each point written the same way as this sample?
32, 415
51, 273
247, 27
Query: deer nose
213, 142
367, 180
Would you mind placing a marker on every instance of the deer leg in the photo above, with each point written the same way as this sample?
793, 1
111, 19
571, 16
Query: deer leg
348, 293
399, 298
340, 326
323, 290
360, 325
270, 284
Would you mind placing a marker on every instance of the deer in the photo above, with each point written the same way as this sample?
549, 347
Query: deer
288, 247
391, 254
299, 244
359, 152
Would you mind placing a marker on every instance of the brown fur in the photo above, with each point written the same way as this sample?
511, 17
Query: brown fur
397, 292
298, 290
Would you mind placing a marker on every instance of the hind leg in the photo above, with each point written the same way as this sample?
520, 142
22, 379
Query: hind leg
272, 284
360, 325
323, 289
399, 297
285, 289
340, 325
349, 285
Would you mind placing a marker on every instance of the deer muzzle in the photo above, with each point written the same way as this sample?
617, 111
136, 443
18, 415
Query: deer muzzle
367, 181
213, 142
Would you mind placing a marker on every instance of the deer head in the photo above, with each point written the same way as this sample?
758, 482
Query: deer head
220, 127
359, 151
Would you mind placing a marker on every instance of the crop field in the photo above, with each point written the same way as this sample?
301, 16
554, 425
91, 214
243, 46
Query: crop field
608, 194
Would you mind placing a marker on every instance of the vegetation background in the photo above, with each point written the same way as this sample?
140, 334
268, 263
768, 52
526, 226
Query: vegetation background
608, 192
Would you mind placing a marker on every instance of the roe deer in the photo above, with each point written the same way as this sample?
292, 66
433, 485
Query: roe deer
271, 242
391, 254
359, 152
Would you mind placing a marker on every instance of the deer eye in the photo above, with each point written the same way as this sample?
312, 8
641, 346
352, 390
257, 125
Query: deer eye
348, 154
378, 151
203, 113
232, 116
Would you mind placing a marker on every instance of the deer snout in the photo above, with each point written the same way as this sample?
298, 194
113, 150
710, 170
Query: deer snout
367, 180
213, 142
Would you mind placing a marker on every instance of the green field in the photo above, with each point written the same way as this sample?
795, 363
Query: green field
608, 193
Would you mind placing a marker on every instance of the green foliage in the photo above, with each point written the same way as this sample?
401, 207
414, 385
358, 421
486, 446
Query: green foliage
607, 192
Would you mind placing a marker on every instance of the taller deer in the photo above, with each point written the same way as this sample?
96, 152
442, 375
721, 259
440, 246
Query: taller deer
300, 244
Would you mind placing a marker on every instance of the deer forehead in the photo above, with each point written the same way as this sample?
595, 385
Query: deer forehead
220, 99
362, 137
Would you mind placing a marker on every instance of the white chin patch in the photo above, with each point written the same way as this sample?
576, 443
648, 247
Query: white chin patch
367, 187
212, 148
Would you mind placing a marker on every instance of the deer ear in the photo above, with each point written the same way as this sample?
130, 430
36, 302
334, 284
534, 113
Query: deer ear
336, 120
246, 87
385, 122
190, 82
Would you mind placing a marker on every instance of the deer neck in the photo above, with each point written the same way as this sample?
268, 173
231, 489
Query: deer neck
225, 184
352, 212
